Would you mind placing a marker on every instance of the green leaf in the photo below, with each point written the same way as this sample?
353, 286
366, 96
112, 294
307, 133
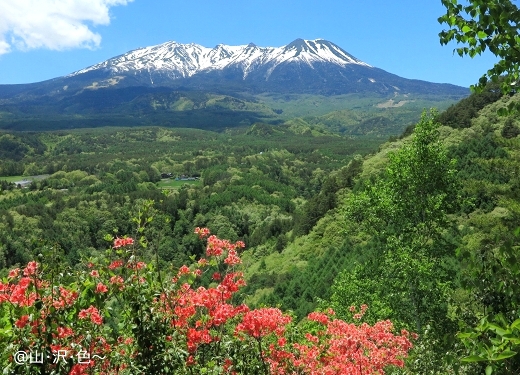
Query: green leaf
504, 355
452, 21
467, 335
482, 35
473, 358
515, 324
498, 330
466, 29
489, 370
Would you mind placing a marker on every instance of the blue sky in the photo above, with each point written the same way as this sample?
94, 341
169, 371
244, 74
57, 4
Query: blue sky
43, 39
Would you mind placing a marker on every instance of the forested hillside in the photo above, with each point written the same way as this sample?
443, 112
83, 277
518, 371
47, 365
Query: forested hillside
423, 229
438, 273
250, 185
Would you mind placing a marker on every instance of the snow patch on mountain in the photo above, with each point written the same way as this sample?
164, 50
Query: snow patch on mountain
178, 60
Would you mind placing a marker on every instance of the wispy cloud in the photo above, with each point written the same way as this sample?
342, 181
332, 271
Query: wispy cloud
52, 24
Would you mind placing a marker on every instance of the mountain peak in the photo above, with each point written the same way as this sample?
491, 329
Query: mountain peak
178, 60
299, 42
299, 45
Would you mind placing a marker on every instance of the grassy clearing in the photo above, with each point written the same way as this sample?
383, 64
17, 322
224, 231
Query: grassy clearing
176, 184
12, 178
22, 178
319, 105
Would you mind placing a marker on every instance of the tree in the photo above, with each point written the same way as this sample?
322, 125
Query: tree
417, 191
481, 25
510, 130
460, 114
406, 274
495, 339
405, 212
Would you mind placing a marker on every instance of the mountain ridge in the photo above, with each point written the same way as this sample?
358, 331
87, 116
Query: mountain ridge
127, 88
302, 66
186, 60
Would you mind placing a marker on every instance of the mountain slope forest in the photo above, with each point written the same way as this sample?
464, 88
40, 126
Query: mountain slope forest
423, 228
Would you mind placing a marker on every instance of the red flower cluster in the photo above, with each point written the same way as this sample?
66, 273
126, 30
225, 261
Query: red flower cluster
30, 269
92, 313
343, 348
262, 322
22, 322
19, 294
117, 281
61, 300
41, 310
232, 258
101, 288
115, 264
14, 273
120, 242
202, 232
201, 324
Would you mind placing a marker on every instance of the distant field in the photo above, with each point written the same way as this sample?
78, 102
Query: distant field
175, 184
12, 178
21, 178
318, 105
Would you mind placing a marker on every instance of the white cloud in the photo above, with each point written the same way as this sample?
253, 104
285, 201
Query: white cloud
52, 24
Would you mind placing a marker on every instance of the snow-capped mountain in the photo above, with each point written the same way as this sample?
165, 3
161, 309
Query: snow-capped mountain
177, 60
191, 85
302, 66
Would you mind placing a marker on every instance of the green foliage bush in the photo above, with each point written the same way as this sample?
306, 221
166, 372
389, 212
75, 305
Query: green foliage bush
459, 115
